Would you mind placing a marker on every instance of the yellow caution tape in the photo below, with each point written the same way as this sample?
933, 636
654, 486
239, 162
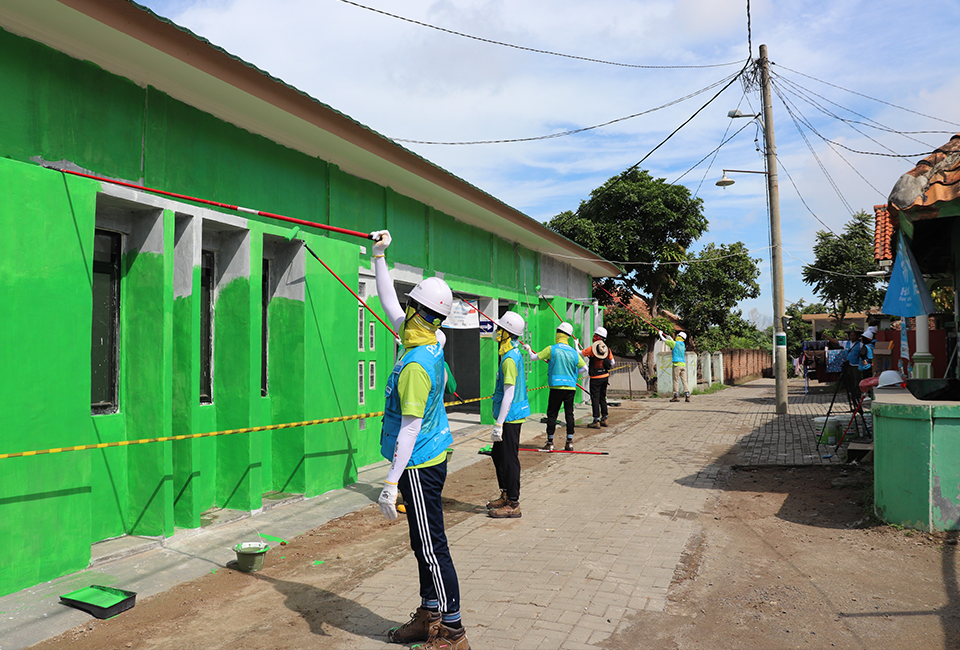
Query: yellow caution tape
228, 432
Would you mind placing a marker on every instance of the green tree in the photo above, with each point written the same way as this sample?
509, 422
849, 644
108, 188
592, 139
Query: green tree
737, 334
838, 274
710, 286
642, 223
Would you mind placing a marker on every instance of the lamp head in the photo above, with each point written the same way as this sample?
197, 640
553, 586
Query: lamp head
725, 180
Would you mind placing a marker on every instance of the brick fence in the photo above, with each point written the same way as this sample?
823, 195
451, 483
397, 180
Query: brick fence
743, 365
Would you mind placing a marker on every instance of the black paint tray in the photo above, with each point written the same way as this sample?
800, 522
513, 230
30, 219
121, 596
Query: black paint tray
100, 601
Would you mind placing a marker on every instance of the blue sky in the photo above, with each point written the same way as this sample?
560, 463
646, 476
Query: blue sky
407, 81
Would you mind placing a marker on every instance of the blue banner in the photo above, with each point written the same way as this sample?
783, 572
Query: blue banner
907, 293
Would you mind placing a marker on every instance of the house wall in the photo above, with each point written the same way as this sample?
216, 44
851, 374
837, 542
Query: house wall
54, 506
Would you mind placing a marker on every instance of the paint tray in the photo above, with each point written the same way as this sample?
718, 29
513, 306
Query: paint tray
100, 601
488, 450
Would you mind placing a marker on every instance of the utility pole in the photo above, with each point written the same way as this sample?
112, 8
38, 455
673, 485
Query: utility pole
780, 337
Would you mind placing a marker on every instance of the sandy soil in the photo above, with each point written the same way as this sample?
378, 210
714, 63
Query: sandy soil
787, 558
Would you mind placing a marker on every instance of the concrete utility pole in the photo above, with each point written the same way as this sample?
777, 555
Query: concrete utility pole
780, 337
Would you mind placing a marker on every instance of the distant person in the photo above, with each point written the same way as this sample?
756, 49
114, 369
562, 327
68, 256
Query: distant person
564, 363
679, 347
599, 363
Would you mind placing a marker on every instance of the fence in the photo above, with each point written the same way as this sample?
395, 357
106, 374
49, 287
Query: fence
743, 365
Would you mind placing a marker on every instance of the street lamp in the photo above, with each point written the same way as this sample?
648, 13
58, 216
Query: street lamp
773, 193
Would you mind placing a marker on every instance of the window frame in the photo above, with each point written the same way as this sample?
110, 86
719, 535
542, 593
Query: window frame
113, 269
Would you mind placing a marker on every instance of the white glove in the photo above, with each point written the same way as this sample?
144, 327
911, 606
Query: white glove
388, 501
497, 435
526, 348
381, 240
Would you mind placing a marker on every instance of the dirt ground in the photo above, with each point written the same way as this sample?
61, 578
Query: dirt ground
787, 558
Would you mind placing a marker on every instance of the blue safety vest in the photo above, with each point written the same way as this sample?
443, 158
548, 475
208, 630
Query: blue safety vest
520, 407
562, 367
435, 431
679, 353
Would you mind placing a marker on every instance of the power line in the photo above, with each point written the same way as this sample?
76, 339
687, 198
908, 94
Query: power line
806, 122
797, 189
662, 263
813, 152
530, 49
574, 131
723, 142
939, 119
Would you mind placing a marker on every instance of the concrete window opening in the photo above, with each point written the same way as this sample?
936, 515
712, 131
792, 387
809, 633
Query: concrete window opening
373, 375
264, 329
104, 355
361, 317
372, 337
207, 269
361, 383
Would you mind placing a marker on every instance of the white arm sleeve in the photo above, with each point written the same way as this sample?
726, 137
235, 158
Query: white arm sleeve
406, 439
508, 392
387, 293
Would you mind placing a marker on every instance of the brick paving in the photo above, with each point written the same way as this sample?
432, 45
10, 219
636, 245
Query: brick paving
601, 536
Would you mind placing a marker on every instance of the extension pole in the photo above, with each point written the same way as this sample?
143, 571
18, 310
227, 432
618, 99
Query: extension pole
316, 257
628, 308
562, 451
236, 208
493, 321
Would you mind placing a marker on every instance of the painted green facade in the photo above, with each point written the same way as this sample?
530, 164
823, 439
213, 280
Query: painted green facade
916, 461
54, 506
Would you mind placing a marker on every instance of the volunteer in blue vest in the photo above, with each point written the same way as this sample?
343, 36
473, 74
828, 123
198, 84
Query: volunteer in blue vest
679, 347
415, 437
564, 363
510, 408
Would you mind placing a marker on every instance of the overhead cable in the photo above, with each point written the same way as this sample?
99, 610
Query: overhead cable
575, 131
672, 133
932, 117
806, 123
530, 49
787, 172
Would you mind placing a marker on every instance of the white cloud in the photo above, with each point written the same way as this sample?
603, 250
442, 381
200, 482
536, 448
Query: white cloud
408, 81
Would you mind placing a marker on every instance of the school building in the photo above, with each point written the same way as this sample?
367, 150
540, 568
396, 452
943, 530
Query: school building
132, 315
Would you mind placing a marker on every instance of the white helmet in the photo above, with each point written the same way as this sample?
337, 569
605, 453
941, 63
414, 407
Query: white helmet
682, 336
435, 295
512, 322
601, 332
890, 379
566, 328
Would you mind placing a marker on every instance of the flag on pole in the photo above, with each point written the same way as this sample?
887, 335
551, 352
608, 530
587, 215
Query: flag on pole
907, 293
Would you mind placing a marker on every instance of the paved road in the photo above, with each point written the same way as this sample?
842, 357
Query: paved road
599, 540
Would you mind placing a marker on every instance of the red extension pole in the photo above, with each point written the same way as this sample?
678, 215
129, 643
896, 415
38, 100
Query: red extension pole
236, 208
563, 451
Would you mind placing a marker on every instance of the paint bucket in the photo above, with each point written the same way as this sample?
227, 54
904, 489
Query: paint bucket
250, 555
449, 453
828, 429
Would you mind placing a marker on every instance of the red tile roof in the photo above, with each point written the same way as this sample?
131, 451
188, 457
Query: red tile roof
884, 233
934, 181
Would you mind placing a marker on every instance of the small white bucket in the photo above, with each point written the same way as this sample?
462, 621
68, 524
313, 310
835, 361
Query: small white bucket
828, 429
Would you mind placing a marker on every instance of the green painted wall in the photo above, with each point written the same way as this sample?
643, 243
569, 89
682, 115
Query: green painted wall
917, 464
59, 108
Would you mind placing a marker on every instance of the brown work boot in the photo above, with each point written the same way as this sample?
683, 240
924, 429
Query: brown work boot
446, 638
687, 398
510, 510
548, 447
676, 398
418, 628
594, 425
498, 502
568, 446
603, 422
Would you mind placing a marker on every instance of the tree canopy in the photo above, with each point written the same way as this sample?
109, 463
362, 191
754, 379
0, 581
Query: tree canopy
838, 273
711, 284
640, 222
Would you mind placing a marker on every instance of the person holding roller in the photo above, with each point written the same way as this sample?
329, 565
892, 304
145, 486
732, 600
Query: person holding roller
415, 437
510, 408
564, 363
600, 362
679, 347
